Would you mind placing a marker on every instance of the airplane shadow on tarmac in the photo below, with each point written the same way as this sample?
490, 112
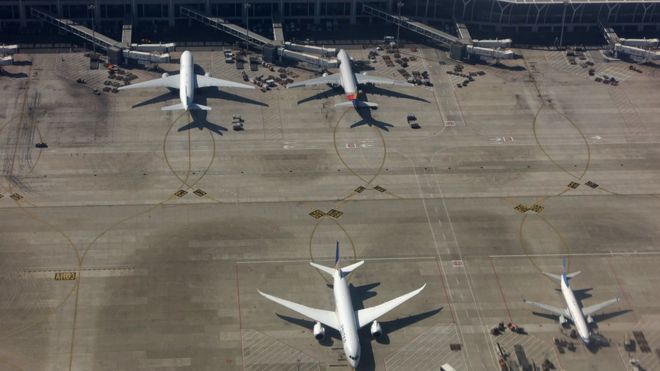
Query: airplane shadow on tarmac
17, 75
199, 117
366, 118
358, 295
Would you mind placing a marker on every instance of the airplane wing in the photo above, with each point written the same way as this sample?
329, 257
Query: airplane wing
365, 79
550, 308
163, 82
596, 307
206, 81
368, 315
330, 79
326, 317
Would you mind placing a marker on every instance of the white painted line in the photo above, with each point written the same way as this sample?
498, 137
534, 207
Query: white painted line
611, 253
403, 258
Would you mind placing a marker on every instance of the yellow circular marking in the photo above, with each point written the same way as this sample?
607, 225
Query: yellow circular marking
380, 166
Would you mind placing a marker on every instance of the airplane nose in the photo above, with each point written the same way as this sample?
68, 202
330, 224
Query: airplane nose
353, 363
586, 341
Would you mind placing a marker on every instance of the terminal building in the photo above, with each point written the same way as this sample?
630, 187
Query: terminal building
498, 15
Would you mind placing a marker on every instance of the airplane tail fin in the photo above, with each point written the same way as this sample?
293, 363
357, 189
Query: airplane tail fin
558, 277
563, 272
331, 271
356, 103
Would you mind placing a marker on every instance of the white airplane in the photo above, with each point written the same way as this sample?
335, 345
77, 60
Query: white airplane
344, 318
186, 81
348, 80
573, 311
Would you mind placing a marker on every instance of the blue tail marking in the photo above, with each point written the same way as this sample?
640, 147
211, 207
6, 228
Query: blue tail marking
563, 271
337, 255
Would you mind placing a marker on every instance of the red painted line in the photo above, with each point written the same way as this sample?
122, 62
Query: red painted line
497, 278
446, 290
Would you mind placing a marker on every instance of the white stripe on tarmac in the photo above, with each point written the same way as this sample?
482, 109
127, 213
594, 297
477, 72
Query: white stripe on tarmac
611, 253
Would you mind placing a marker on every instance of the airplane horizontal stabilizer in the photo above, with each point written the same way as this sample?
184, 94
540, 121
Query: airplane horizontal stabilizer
199, 107
350, 268
174, 107
558, 277
192, 106
356, 103
323, 268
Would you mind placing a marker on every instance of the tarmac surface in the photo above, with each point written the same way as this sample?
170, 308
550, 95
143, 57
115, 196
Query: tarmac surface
136, 241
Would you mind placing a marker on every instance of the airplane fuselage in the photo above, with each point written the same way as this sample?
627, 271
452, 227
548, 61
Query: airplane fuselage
347, 77
346, 317
574, 309
186, 82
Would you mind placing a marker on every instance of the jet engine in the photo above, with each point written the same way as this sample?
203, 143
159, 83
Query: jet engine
376, 330
165, 75
325, 74
319, 331
562, 320
207, 74
590, 319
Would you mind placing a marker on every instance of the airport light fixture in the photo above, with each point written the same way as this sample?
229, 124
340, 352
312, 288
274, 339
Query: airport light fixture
247, 27
399, 5
563, 22
92, 8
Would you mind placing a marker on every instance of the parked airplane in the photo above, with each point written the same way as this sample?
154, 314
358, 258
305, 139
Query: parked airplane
574, 311
348, 80
186, 81
344, 318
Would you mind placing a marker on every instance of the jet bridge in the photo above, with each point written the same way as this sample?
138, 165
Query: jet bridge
127, 32
325, 52
463, 33
638, 50
8, 49
7, 54
308, 58
460, 47
252, 38
278, 33
79, 30
117, 51
271, 49
438, 36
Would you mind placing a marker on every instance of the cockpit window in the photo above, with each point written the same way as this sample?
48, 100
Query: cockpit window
353, 358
